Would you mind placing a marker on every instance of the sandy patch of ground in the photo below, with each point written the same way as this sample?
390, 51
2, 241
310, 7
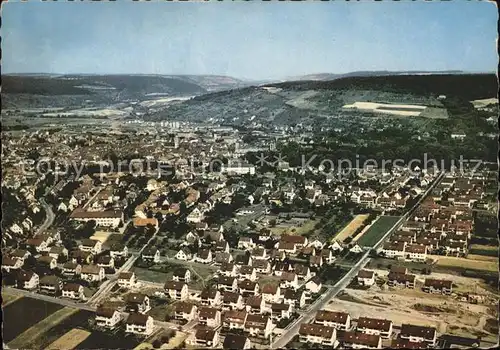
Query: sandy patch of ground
69, 340
351, 227
101, 236
392, 109
413, 306
465, 263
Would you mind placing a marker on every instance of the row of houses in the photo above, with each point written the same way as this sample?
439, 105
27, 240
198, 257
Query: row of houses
331, 328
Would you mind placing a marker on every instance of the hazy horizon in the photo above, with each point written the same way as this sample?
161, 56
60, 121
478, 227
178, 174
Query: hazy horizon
248, 41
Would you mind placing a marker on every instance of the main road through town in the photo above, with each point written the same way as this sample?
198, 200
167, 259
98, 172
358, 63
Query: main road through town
293, 329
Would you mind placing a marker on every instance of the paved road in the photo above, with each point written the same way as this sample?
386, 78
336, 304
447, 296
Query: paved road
81, 306
293, 329
49, 217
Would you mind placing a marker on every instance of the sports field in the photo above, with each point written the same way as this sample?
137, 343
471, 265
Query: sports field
377, 230
350, 228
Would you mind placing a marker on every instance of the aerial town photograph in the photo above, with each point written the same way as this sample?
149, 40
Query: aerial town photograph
249, 175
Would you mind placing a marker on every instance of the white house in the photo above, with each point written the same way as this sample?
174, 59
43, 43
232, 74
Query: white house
92, 273
27, 280
366, 278
107, 317
139, 324
127, 279
73, 291
314, 285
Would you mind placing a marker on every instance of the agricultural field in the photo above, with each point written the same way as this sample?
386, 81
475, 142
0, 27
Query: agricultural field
31, 335
70, 340
32, 311
450, 261
482, 249
378, 229
8, 298
347, 231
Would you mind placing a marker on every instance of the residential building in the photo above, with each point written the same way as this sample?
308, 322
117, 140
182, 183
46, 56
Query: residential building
339, 320
139, 324
209, 316
318, 334
375, 326
177, 290
106, 317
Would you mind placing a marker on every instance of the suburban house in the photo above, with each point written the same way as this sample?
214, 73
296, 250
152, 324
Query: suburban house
73, 291
234, 319
181, 274
184, 254
90, 245
9, 263
314, 285
177, 290
358, 340
232, 301
138, 303
211, 296
151, 255
280, 311
58, 251
398, 279
186, 311
127, 279
432, 285
106, 262
71, 269
47, 261
318, 334
118, 250
375, 326
139, 324
289, 280
27, 280
261, 266
295, 298
205, 337
209, 316
234, 341
271, 293
258, 326
248, 288
107, 317
247, 273
339, 320
228, 270
394, 250
229, 284
416, 252
92, 273
366, 278
203, 256
417, 334
255, 304
50, 285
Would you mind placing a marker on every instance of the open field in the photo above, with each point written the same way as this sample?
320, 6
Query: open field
377, 230
8, 298
30, 335
451, 261
70, 340
484, 102
350, 228
482, 257
486, 250
101, 236
293, 229
401, 305
391, 109
23, 314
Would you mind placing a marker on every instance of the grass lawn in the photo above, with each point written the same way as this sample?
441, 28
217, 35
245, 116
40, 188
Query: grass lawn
69, 340
8, 298
486, 250
350, 228
161, 311
450, 261
377, 230
38, 329
307, 227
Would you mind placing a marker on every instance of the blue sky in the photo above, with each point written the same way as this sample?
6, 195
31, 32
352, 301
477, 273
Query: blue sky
252, 40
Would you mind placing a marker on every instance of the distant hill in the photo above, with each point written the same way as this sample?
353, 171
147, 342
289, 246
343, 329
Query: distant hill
332, 76
94, 84
297, 101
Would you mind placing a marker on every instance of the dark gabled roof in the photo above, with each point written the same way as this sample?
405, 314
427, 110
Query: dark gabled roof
374, 323
136, 298
333, 316
135, 318
417, 331
233, 341
103, 311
